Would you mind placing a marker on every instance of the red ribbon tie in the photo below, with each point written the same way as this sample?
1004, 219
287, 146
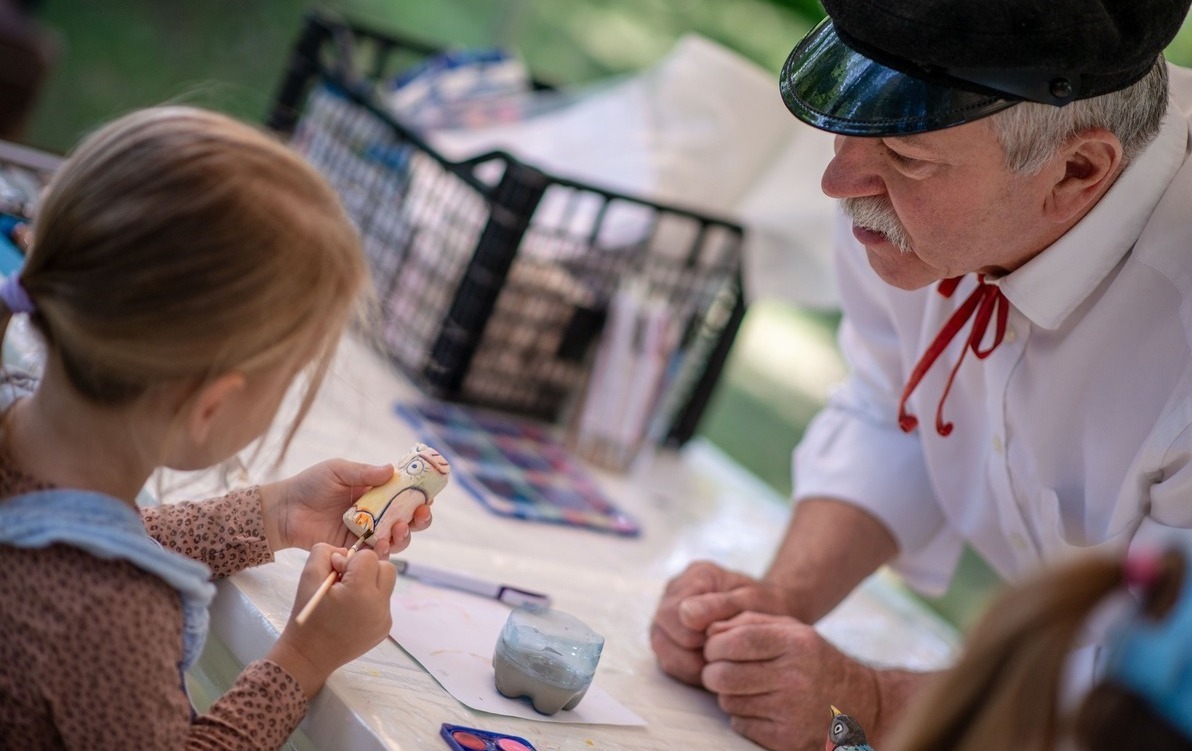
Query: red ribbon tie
982, 305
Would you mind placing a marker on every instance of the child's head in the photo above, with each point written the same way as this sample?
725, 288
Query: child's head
1004, 693
175, 245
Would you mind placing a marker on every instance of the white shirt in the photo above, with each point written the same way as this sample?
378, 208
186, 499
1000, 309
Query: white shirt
1075, 434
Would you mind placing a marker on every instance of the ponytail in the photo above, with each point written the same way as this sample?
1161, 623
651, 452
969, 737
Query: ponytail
1003, 694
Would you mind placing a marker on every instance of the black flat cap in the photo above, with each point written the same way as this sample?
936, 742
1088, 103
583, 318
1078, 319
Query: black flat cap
889, 67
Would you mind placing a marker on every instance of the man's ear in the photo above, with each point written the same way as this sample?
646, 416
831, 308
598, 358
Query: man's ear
1084, 169
210, 401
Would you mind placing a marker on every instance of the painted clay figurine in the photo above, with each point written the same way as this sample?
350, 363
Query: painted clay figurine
845, 734
417, 478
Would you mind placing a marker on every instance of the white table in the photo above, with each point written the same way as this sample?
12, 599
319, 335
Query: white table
693, 504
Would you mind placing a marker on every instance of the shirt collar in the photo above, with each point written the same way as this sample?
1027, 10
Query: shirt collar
1051, 285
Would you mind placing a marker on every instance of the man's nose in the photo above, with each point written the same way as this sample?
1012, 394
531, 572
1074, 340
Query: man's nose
852, 173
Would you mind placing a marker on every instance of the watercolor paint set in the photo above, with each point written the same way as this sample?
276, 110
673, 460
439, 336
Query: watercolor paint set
460, 738
515, 467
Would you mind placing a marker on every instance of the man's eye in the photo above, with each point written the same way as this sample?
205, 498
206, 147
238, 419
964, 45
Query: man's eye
902, 158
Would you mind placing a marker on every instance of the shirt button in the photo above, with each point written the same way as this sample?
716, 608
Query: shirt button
997, 445
1009, 336
1018, 541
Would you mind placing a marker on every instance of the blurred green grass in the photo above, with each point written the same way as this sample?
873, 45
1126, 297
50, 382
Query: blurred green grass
117, 55
122, 54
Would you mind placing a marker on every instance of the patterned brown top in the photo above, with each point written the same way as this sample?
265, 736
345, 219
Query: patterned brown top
89, 648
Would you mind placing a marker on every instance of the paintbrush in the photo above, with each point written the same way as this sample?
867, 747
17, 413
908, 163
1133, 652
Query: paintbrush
332, 578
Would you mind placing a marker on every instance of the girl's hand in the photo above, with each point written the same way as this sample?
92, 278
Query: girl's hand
352, 618
308, 508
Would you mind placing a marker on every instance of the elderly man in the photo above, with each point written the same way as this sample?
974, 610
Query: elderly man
1015, 187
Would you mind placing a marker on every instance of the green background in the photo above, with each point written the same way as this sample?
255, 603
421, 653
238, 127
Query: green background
116, 55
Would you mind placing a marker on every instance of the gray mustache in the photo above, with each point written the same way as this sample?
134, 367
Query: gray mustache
876, 214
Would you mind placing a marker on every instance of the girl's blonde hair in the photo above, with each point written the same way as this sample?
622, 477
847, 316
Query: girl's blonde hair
1004, 693
178, 244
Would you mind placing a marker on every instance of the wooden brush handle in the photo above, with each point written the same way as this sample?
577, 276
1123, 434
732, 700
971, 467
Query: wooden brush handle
321, 592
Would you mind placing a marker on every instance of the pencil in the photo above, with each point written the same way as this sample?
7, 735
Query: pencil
326, 585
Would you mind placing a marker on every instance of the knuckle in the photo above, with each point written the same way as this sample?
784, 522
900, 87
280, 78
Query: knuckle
693, 578
731, 705
685, 666
713, 677
725, 678
667, 632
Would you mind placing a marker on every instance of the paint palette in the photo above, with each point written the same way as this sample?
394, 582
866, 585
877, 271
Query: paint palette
516, 467
471, 739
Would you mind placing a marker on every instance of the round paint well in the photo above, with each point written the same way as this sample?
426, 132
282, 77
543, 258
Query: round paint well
469, 741
508, 744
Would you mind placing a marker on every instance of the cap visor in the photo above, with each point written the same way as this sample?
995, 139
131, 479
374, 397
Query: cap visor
831, 86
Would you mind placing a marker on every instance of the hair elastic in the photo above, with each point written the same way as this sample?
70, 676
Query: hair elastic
13, 293
1154, 660
1143, 568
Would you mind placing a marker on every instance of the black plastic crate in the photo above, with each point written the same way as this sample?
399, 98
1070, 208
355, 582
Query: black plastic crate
493, 276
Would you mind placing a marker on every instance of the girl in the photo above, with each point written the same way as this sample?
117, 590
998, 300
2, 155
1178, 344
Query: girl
185, 269
1004, 693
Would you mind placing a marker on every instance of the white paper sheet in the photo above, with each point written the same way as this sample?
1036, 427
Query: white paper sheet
452, 635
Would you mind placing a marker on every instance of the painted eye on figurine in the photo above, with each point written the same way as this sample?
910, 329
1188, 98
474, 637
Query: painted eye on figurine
838, 729
414, 467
